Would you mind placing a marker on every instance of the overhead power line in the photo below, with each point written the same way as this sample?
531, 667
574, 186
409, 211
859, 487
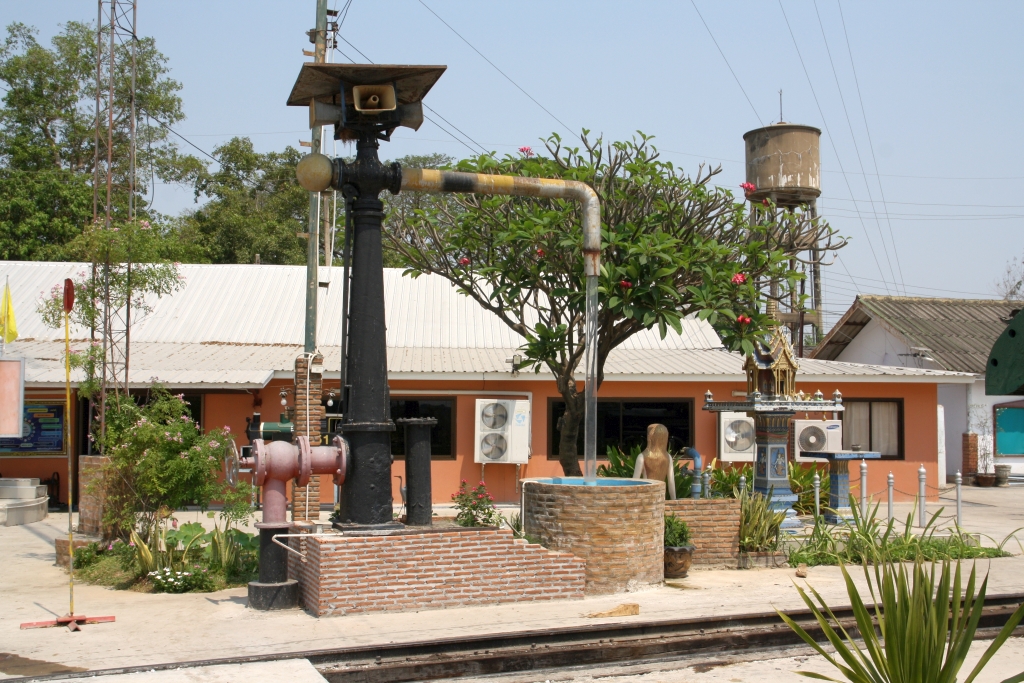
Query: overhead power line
425, 105
871, 144
830, 138
856, 149
507, 77
735, 77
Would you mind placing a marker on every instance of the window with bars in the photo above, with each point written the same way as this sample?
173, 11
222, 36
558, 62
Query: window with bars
873, 425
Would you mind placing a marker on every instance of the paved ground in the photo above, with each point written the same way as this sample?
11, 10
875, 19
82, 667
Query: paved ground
153, 629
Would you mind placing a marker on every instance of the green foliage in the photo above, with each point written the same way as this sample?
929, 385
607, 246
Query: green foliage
255, 206
759, 523
134, 241
677, 533
475, 506
869, 539
87, 555
925, 626
622, 465
159, 461
801, 482
47, 136
725, 481
672, 245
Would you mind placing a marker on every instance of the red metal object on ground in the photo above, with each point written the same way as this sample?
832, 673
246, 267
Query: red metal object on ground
72, 621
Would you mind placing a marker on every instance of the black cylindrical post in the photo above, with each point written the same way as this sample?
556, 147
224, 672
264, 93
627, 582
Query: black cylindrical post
273, 590
418, 505
366, 498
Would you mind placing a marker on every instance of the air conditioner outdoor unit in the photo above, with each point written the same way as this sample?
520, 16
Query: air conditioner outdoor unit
736, 437
502, 431
816, 436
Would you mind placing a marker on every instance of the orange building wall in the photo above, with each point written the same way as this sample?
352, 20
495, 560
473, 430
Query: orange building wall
920, 438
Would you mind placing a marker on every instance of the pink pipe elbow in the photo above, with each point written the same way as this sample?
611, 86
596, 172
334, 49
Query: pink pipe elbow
276, 462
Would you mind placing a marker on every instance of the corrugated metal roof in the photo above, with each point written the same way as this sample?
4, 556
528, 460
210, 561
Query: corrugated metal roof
958, 333
265, 304
240, 325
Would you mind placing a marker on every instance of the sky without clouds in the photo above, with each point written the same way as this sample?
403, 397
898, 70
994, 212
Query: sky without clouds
940, 84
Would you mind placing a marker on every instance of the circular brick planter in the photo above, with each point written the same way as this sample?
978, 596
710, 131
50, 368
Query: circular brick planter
617, 527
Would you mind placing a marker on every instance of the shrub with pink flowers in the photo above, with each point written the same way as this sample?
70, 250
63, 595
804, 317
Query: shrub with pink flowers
161, 461
475, 506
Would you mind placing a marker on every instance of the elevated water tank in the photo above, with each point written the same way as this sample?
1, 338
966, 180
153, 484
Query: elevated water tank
784, 163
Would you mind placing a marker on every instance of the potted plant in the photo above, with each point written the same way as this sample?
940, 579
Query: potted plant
678, 550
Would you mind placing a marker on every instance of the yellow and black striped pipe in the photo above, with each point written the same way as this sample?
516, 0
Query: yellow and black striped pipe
316, 173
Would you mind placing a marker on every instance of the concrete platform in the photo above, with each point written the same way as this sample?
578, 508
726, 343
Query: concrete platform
161, 628
290, 670
16, 512
8, 492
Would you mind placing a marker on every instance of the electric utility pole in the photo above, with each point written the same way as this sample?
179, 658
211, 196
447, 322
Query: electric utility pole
319, 38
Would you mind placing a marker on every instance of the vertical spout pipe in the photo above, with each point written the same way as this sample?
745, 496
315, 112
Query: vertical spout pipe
429, 180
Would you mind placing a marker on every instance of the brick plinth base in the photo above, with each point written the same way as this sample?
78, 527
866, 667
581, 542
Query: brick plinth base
618, 530
93, 495
714, 527
430, 570
970, 450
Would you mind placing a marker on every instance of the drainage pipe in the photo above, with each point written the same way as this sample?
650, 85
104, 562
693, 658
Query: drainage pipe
429, 180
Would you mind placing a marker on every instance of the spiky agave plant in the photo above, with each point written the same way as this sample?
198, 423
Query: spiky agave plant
926, 627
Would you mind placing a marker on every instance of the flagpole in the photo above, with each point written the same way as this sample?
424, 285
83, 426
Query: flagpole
3, 336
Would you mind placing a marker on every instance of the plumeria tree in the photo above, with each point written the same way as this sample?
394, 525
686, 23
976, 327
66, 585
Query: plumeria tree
672, 246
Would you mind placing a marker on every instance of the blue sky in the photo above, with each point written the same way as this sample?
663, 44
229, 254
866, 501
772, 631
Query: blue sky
939, 88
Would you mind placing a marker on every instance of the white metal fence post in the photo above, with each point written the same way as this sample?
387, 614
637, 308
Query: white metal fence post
743, 485
817, 495
706, 481
959, 500
863, 488
922, 479
891, 486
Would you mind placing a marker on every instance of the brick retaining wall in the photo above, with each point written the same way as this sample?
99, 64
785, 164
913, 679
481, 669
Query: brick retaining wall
92, 493
431, 570
715, 529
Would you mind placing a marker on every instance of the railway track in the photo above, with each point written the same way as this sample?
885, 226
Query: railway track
562, 648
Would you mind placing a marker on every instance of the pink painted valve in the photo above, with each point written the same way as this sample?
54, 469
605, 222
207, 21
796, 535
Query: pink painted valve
276, 462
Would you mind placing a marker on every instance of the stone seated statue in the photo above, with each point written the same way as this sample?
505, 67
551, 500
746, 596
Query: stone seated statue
655, 462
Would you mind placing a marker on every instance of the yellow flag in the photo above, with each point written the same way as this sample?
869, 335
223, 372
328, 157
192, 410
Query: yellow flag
8, 327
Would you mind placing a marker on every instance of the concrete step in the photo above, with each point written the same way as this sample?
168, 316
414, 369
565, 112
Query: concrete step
21, 492
16, 512
18, 482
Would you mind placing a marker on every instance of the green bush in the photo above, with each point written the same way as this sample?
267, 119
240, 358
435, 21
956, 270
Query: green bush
621, 466
869, 539
677, 533
87, 555
725, 481
801, 481
759, 523
160, 461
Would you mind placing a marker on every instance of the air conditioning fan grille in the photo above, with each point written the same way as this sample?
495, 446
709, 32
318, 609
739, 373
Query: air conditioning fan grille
812, 439
494, 416
493, 446
739, 435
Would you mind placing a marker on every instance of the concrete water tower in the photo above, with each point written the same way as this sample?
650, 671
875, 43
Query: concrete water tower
784, 165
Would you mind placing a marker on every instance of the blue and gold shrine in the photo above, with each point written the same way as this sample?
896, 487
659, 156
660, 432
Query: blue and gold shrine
772, 399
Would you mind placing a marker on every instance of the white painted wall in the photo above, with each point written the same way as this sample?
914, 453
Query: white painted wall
979, 421
875, 345
953, 399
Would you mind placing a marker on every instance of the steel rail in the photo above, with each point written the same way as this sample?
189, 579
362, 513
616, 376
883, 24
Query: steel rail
545, 649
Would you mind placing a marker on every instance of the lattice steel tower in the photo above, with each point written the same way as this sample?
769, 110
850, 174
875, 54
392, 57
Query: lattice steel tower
114, 182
